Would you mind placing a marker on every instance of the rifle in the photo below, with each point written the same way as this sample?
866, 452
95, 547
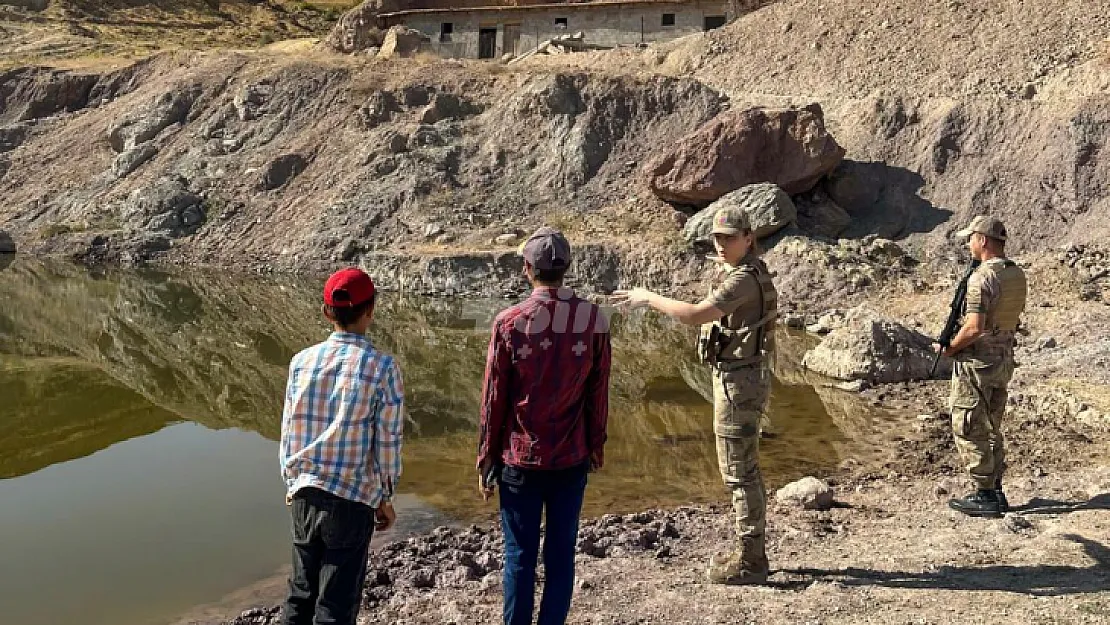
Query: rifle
955, 313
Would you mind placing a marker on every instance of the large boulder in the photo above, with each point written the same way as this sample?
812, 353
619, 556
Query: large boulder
132, 159
788, 147
360, 29
401, 41
165, 206
447, 106
7, 244
873, 348
250, 101
769, 208
379, 108
168, 109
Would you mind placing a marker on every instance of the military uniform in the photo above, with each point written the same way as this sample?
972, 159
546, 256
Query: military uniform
997, 290
737, 347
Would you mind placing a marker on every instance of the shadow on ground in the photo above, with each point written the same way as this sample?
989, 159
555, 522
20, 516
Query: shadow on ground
1037, 505
883, 200
1042, 580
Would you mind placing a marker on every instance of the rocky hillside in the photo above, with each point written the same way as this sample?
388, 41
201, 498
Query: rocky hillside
288, 162
431, 170
946, 109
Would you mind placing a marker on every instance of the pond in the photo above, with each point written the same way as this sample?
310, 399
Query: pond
140, 412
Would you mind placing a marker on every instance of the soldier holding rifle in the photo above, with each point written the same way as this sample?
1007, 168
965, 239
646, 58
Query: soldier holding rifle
983, 350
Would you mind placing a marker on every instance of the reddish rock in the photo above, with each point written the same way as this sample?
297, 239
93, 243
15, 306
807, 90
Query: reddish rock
787, 147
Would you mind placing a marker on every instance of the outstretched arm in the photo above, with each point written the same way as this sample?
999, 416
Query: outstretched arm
690, 314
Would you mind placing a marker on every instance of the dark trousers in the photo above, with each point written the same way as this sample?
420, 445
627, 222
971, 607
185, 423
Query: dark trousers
525, 496
331, 537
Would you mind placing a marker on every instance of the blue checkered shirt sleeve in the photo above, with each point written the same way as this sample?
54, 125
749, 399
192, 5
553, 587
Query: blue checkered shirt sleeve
389, 428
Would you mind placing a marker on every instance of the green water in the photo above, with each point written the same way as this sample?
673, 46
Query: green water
139, 413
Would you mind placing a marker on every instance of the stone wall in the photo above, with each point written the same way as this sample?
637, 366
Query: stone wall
610, 25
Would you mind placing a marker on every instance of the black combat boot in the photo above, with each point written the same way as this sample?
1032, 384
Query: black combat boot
982, 503
1003, 505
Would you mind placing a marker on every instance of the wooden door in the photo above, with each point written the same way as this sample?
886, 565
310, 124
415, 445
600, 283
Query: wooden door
512, 39
487, 43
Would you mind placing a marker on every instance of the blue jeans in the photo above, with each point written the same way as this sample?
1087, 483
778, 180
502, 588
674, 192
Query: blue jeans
524, 497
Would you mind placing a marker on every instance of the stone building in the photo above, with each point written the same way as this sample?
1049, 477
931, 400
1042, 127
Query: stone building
490, 32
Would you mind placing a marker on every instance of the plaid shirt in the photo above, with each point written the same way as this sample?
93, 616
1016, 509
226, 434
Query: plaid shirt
545, 399
342, 424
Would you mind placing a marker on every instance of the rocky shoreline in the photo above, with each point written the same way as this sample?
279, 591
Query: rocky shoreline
631, 565
451, 558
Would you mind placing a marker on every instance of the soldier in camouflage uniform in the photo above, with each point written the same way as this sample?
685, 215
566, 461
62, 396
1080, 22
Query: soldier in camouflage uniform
984, 354
737, 338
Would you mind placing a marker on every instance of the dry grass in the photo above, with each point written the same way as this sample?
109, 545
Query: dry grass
93, 35
342, 5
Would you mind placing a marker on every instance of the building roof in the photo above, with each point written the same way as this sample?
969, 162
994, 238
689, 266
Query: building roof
531, 7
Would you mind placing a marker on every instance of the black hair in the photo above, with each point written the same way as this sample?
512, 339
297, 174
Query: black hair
550, 276
346, 316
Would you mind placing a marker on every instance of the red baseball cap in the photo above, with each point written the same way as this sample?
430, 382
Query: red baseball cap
348, 287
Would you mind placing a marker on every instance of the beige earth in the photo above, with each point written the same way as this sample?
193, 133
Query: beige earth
891, 553
428, 171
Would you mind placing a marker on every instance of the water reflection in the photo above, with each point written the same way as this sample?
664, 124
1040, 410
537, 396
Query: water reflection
88, 360
93, 360
45, 423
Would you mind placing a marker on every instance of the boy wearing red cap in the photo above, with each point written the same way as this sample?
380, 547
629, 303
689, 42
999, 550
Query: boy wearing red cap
340, 455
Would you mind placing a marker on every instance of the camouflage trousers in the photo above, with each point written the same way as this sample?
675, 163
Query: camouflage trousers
977, 403
739, 399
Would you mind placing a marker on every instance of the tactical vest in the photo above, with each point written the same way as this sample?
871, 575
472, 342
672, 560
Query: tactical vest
747, 336
1003, 318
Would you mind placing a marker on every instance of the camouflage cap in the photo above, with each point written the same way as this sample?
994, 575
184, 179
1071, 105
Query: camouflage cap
984, 224
731, 220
